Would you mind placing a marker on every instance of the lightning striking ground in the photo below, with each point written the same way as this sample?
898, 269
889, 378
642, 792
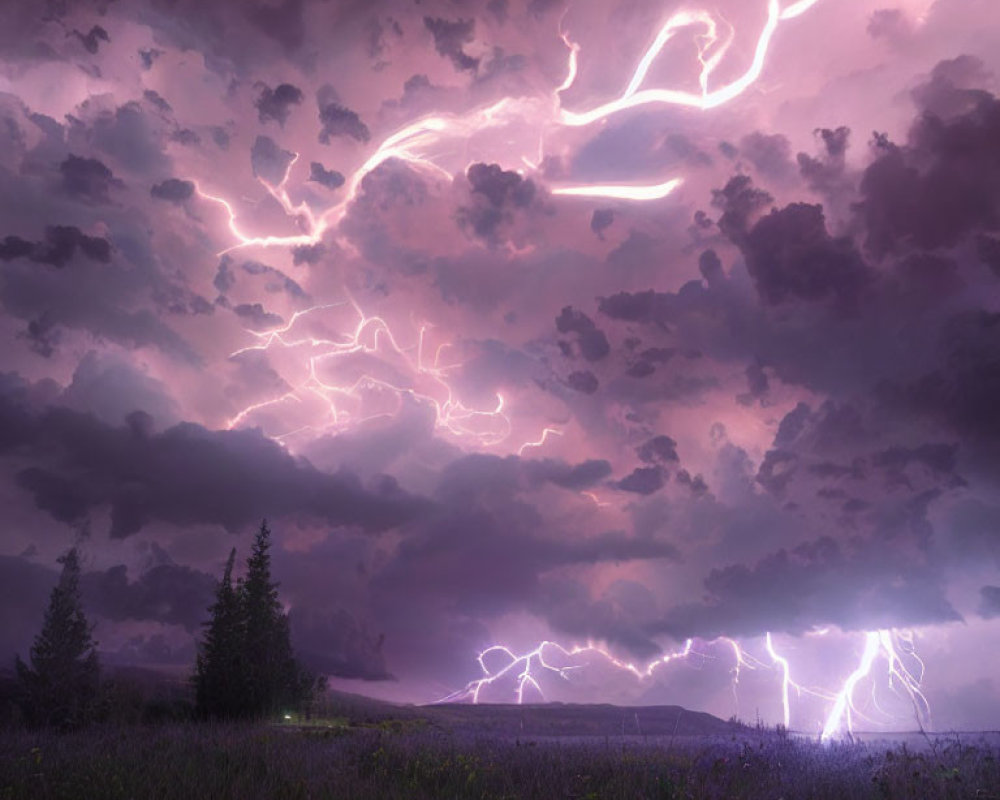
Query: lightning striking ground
528, 669
419, 144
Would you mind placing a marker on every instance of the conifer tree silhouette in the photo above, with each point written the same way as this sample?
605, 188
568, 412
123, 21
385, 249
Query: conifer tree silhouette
246, 666
220, 671
274, 678
60, 686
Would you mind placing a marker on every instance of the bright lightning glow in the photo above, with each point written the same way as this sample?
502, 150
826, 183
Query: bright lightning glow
782, 662
423, 142
545, 435
527, 670
797, 9
621, 192
535, 659
427, 382
437, 143
844, 703
901, 680
633, 97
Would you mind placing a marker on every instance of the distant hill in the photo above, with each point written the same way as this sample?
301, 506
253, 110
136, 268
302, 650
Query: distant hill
558, 719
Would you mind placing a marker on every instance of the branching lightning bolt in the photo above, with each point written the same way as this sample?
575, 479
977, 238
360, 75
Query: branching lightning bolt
416, 142
420, 145
369, 335
895, 647
535, 660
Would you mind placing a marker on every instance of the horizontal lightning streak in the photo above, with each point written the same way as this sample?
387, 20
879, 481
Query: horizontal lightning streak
526, 668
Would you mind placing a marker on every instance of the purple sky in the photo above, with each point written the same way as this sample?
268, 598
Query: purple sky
476, 408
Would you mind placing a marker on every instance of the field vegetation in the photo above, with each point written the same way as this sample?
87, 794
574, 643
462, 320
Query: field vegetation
359, 750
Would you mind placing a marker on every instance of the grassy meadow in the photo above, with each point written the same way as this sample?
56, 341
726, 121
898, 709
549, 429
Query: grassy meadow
485, 752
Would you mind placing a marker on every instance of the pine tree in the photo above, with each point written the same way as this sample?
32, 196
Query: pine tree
220, 671
245, 666
274, 679
60, 687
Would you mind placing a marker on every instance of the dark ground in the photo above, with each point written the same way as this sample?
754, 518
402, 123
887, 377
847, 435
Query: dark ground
357, 748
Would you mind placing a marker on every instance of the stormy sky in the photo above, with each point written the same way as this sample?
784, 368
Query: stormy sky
321, 261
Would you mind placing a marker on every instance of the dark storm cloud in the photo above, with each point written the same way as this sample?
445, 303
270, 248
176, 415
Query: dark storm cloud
225, 278
826, 174
277, 281
890, 24
616, 617
58, 248
186, 137
276, 104
100, 299
496, 194
154, 650
960, 392
93, 38
989, 602
696, 485
601, 220
450, 36
148, 57
757, 384
880, 315
988, 250
474, 475
173, 190
329, 178
955, 87
283, 22
839, 446
583, 381
575, 477
167, 593
269, 161
130, 137
789, 252
24, 591
336, 120
945, 182
642, 480
770, 154
256, 318
855, 584
658, 450
643, 306
185, 475
87, 178
334, 643
392, 188
154, 97
487, 551
591, 340
500, 186
308, 253
478, 560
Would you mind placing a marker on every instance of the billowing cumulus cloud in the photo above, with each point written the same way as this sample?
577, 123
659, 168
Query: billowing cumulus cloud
350, 267
173, 190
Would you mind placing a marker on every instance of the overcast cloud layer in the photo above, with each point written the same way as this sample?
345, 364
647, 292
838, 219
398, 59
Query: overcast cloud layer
765, 402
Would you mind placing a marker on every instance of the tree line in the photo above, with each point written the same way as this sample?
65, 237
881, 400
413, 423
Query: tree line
245, 666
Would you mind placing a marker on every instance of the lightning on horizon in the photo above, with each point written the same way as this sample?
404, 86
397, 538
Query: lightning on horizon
895, 648
425, 145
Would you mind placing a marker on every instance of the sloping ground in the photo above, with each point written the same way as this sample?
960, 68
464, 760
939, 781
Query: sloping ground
557, 719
